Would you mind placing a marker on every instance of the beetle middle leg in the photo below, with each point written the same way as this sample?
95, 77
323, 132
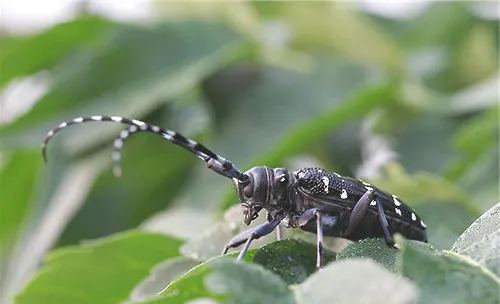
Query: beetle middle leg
249, 235
323, 221
359, 211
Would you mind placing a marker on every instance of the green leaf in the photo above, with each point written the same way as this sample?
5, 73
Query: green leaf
18, 59
356, 281
477, 155
481, 241
210, 242
133, 70
375, 249
162, 275
446, 277
430, 131
19, 179
445, 221
100, 271
322, 25
228, 281
472, 146
293, 260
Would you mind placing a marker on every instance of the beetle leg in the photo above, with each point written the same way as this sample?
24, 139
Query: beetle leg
359, 210
279, 228
384, 224
251, 234
279, 233
322, 221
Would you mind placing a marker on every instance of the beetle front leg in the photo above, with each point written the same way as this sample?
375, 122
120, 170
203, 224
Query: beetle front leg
322, 221
249, 235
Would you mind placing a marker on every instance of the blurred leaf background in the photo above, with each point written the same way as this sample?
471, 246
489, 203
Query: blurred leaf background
410, 104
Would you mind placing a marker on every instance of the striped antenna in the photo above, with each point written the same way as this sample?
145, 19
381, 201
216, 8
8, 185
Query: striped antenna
214, 161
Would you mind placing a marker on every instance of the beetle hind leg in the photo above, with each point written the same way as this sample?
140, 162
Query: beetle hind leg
359, 211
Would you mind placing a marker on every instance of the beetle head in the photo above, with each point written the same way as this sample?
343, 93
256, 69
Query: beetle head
263, 188
253, 193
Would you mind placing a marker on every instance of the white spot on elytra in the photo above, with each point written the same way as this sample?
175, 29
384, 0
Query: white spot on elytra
50, 133
96, 118
413, 216
373, 203
78, 119
423, 225
282, 179
326, 181
343, 194
398, 211
396, 202
62, 125
116, 118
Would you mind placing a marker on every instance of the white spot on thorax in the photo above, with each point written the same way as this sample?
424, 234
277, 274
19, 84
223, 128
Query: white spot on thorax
326, 181
373, 203
50, 133
398, 211
413, 216
343, 194
155, 129
396, 202
423, 225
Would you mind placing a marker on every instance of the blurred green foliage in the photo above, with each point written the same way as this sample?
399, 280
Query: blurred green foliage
411, 105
